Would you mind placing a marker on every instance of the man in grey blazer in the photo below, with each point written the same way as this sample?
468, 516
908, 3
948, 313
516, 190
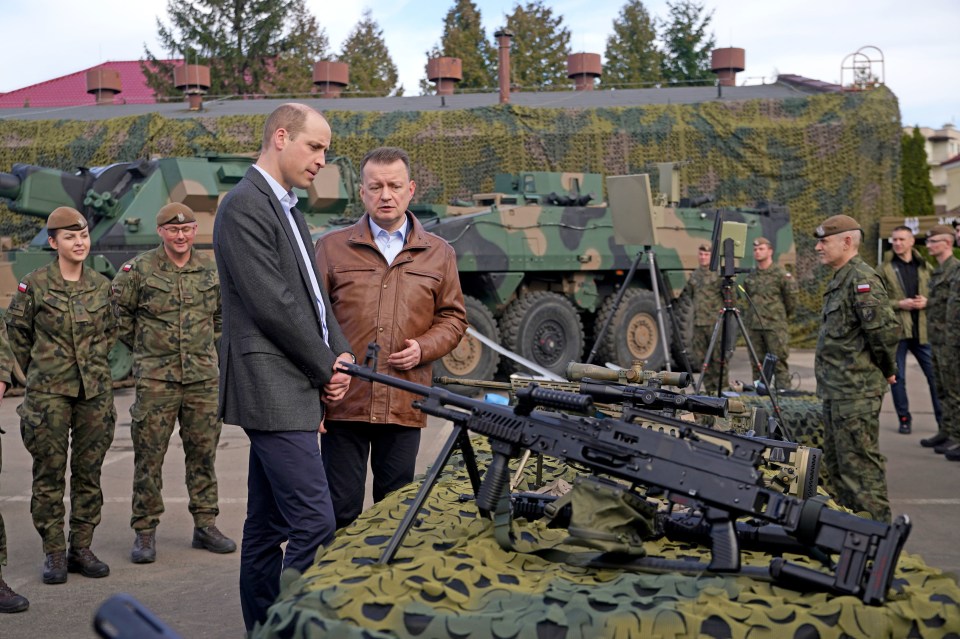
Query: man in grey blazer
278, 354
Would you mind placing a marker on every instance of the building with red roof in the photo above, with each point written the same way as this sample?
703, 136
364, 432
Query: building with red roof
72, 89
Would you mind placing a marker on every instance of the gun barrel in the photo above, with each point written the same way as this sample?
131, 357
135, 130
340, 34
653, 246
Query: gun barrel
474, 383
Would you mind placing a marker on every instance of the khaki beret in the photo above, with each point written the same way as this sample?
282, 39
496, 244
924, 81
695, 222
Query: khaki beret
836, 224
762, 240
64, 217
939, 229
175, 213
705, 247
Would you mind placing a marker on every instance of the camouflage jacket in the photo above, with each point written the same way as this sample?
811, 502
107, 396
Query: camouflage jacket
62, 332
170, 317
944, 281
858, 335
773, 298
703, 288
890, 272
6, 356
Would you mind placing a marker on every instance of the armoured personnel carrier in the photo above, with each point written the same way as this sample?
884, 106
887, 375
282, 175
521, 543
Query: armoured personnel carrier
539, 258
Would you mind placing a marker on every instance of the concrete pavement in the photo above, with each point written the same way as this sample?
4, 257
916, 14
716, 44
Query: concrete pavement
196, 592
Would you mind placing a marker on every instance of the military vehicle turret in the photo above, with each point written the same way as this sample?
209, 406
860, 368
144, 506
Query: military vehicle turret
539, 258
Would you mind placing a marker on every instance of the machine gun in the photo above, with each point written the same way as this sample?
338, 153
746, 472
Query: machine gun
723, 485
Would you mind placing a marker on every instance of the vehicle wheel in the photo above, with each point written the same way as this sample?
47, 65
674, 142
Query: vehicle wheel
683, 310
121, 362
545, 328
471, 359
634, 332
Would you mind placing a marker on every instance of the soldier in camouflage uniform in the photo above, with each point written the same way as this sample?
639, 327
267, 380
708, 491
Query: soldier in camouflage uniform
9, 600
61, 327
168, 300
773, 298
854, 364
943, 327
703, 290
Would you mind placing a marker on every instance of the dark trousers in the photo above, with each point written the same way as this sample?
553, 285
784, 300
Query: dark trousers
392, 450
287, 501
925, 358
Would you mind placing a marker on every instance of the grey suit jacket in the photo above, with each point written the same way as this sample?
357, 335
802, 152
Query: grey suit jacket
273, 360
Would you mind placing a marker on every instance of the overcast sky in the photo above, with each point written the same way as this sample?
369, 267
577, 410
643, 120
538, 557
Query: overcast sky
45, 39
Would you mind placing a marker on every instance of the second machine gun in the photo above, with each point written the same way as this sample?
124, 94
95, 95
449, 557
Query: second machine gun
689, 471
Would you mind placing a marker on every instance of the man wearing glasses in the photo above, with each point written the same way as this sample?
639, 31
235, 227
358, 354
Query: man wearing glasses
168, 300
942, 324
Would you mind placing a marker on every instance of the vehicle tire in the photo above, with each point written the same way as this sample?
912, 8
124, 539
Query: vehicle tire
544, 328
683, 310
634, 332
471, 359
121, 362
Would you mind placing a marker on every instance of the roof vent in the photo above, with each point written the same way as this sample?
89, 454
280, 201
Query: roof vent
503, 37
194, 81
584, 69
103, 84
330, 77
446, 73
727, 63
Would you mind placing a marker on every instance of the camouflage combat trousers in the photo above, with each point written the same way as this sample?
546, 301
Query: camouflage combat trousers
3, 531
851, 454
159, 405
52, 426
701, 341
946, 374
777, 343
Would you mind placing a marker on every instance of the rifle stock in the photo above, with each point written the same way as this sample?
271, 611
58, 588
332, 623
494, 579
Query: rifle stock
721, 483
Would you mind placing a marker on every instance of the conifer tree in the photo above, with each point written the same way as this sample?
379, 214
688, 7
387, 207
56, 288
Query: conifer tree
540, 46
464, 37
372, 71
687, 46
915, 175
632, 57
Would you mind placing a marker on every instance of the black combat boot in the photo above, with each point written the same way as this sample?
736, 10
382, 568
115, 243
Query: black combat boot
945, 445
212, 539
936, 440
144, 547
55, 568
953, 454
11, 601
83, 560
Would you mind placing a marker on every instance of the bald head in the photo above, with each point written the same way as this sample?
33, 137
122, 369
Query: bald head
295, 142
291, 116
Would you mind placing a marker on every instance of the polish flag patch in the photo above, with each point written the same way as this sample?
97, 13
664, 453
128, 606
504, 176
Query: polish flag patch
22, 287
127, 267
863, 288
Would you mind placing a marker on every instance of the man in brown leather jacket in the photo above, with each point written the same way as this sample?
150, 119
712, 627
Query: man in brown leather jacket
392, 283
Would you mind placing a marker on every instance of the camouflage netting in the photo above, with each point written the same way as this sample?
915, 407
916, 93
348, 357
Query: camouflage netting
818, 155
450, 579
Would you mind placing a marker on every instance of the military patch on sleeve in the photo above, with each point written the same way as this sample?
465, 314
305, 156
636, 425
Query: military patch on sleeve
126, 267
869, 314
863, 287
22, 287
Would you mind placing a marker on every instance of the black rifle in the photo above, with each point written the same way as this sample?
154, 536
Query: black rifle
689, 471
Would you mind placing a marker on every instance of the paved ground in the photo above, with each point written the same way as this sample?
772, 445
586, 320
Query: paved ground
196, 591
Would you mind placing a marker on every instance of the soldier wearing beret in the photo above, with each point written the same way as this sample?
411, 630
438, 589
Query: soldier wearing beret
61, 327
168, 301
773, 298
10, 601
704, 291
943, 322
854, 364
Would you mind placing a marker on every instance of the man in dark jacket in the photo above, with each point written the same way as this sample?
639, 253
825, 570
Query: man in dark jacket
278, 354
392, 283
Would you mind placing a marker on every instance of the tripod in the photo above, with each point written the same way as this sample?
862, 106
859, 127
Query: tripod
728, 271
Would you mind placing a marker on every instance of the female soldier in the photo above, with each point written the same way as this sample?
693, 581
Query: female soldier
61, 327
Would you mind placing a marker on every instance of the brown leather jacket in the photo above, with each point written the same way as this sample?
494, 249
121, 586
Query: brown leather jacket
417, 297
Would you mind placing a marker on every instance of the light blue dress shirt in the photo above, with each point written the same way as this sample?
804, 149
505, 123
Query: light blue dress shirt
390, 244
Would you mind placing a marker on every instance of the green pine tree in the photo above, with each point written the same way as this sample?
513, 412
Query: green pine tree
372, 71
465, 38
540, 46
240, 40
915, 175
306, 44
632, 55
687, 45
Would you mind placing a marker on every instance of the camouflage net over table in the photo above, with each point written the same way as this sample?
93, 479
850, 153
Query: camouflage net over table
451, 579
